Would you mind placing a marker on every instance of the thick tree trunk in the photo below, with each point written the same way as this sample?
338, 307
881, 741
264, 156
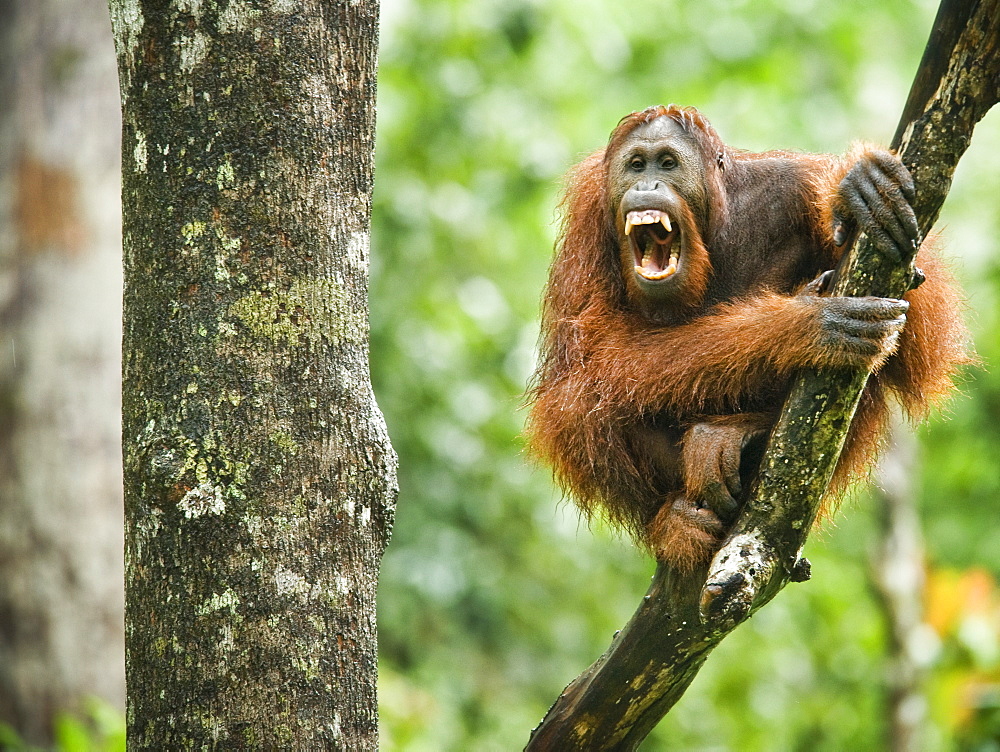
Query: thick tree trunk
61, 635
259, 480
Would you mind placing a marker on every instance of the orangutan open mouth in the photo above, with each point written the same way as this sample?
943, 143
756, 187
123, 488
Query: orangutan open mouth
652, 237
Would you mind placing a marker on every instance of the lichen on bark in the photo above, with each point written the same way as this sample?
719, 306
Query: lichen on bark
259, 478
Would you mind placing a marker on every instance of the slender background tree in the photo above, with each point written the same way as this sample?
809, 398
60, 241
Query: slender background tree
61, 637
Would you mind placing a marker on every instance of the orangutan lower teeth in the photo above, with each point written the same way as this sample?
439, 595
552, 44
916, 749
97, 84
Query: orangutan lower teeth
671, 267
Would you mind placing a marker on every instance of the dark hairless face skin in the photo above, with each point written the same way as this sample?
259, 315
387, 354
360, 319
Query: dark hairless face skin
689, 285
657, 183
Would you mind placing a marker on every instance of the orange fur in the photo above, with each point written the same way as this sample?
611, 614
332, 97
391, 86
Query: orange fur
621, 382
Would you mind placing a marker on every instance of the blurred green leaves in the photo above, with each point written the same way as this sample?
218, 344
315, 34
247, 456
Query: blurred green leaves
100, 727
494, 594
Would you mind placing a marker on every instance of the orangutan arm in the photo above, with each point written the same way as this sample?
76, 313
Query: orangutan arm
711, 363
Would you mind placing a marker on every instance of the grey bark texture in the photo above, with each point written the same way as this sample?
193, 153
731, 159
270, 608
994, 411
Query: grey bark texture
897, 565
61, 604
259, 479
617, 701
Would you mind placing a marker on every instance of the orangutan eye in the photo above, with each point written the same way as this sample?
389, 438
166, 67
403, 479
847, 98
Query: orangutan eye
669, 162
637, 163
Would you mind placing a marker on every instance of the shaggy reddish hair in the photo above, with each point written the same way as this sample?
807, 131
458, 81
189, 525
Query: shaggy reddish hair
616, 389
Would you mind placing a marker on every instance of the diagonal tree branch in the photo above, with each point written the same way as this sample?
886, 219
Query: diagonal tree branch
616, 702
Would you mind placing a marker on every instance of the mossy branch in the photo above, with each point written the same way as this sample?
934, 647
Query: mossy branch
616, 702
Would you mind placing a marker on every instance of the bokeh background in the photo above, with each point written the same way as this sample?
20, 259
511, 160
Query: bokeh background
494, 594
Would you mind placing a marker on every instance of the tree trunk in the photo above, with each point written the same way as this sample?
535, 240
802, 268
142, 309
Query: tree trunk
259, 479
898, 577
61, 635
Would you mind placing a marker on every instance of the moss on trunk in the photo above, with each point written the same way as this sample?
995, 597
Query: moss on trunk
259, 479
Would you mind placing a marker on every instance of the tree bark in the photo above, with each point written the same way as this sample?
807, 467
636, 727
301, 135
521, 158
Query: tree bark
898, 577
259, 479
61, 605
616, 702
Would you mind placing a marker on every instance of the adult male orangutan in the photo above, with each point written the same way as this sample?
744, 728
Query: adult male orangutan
687, 288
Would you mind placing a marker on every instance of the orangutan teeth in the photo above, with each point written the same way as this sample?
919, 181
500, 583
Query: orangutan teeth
647, 217
656, 249
654, 276
644, 271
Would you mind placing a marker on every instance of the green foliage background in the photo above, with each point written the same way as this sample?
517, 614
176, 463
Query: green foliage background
494, 595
